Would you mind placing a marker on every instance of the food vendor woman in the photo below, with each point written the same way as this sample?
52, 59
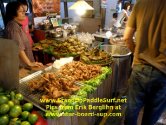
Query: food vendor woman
15, 14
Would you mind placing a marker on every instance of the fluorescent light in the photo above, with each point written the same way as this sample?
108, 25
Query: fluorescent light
81, 4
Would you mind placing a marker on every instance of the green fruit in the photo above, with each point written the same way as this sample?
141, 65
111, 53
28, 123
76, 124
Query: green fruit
24, 115
12, 95
15, 111
19, 96
27, 107
16, 102
3, 99
3, 94
32, 118
4, 120
4, 108
1, 89
10, 103
8, 96
25, 123
15, 121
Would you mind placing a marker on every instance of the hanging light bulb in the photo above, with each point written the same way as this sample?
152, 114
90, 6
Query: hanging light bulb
81, 11
81, 6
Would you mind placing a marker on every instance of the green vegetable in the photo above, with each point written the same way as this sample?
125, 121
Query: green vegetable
89, 89
98, 80
82, 93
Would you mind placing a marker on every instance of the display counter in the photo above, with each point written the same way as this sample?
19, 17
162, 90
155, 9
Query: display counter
109, 88
122, 62
103, 91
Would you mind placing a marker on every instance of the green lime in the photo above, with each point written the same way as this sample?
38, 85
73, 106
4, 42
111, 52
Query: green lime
4, 120
3, 99
2, 93
8, 96
16, 102
19, 96
27, 106
1, 89
15, 121
32, 118
25, 123
24, 115
10, 103
4, 108
12, 95
15, 111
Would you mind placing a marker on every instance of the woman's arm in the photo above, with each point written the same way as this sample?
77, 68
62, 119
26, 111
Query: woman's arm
26, 60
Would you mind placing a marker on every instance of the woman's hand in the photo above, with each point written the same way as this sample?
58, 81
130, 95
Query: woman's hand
36, 64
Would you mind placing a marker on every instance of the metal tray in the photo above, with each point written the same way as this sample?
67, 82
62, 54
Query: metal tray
35, 97
27, 93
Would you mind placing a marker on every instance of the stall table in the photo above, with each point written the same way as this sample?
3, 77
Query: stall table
103, 91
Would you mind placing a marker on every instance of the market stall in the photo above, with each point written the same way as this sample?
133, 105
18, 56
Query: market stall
110, 87
77, 46
98, 80
84, 74
95, 88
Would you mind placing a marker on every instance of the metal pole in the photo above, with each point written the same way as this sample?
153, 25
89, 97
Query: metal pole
103, 13
65, 8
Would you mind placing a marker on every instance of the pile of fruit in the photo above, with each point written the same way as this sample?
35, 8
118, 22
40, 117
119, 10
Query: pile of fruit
14, 110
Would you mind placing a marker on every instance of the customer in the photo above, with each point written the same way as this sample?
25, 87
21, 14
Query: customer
119, 6
123, 15
25, 23
147, 86
114, 19
15, 13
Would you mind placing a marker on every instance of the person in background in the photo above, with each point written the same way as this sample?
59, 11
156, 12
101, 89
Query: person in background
15, 14
25, 23
147, 83
119, 6
123, 15
114, 19
129, 9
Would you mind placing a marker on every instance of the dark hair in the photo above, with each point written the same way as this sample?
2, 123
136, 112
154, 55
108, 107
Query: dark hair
126, 4
115, 15
11, 10
24, 2
119, 1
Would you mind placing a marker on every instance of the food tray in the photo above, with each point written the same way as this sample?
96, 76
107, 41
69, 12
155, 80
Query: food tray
30, 96
98, 63
27, 93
